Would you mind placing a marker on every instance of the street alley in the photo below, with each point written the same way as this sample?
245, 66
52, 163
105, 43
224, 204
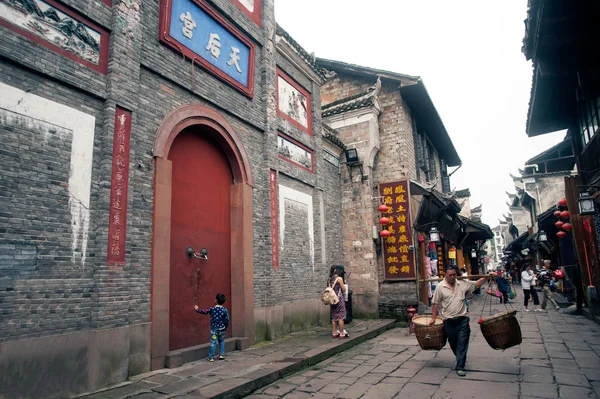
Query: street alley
557, 359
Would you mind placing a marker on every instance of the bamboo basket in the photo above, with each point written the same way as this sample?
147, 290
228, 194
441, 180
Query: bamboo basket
502, 331
429, 337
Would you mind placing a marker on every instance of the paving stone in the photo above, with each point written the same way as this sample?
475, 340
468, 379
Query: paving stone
539, 390
591, 374
385, 368
537, 374
572, 392
128, 390
494, 367
413, 364
334, 387
382, 391
536, 363
395, 380
297, 379
417, 391
430, 375
565, 366
355, 391
405, 372
371, 378
453, 388
291, 395
331, 375
222, 386
314, 385
401, 357
279, 389
424, 355
360, 371
483, 376
572, 379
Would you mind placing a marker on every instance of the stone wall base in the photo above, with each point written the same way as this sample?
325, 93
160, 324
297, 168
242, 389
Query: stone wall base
272, 322
62, 365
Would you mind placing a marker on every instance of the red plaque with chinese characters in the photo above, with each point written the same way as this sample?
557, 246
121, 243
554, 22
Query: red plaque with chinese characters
118, 189
398, 260
274, 220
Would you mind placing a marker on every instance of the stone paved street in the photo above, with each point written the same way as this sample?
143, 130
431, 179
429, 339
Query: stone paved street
559, 358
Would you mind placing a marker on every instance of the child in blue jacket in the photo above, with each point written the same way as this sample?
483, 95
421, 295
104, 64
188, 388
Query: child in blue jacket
219, 320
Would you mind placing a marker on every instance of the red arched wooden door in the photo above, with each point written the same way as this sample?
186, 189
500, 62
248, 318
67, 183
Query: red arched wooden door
200, 218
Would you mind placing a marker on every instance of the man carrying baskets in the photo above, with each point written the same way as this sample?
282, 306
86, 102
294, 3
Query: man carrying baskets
449, 299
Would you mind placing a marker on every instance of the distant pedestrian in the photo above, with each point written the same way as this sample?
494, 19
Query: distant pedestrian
449, 300
331, 273
527, 282
503, 280
219, 320
338, 311
545, 280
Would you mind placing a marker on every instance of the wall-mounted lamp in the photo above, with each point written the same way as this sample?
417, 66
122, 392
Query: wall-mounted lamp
352, 161
473, 253
542, 236
586, 204
203, 254
434, 235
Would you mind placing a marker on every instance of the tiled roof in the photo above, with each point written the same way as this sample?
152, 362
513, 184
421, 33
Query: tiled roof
356, 101
363, 70
308, 58
367, 102
463, 193
333, 136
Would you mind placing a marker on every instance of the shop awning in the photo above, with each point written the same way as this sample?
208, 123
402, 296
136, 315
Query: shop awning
439, 211
517, 245
475, 231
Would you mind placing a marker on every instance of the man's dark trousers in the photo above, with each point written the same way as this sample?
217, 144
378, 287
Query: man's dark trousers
458, 332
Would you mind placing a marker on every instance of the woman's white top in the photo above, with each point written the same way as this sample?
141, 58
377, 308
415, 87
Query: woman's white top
526, 280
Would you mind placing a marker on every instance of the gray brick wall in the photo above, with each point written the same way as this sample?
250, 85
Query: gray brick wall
42, 291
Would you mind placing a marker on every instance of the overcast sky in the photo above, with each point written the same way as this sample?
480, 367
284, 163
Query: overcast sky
468, 53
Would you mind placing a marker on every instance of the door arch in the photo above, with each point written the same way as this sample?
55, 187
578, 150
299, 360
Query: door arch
209, 122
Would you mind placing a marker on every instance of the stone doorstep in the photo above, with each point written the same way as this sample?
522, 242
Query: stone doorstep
179, 357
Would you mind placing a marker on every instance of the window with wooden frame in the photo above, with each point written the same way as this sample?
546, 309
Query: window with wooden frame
589, 119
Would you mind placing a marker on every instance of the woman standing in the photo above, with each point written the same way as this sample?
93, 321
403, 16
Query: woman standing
527, 282
338, 311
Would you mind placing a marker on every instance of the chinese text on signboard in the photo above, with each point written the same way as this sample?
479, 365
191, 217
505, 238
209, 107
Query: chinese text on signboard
118, 189
398, 260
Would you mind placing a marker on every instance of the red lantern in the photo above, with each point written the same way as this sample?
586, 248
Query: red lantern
561, 234
382, 208
557, 214
567, 226
384, 233
562, 202
384, 220
564, 214
559, 224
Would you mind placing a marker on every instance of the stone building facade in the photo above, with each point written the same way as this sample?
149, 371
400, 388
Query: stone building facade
130, 138
389, 119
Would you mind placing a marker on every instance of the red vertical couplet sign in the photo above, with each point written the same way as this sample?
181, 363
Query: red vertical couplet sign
117, 223
398, 260
274, 219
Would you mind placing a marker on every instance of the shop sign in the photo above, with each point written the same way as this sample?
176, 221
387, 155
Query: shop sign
205, 37
398, 259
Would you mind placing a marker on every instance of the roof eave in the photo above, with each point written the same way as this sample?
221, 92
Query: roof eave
417, 98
